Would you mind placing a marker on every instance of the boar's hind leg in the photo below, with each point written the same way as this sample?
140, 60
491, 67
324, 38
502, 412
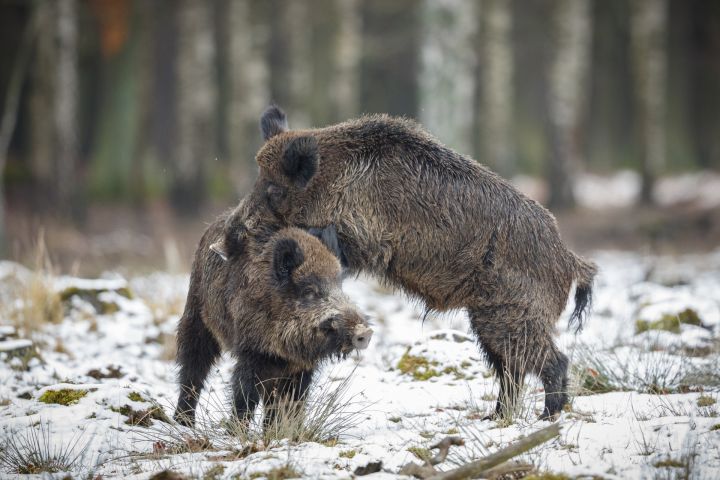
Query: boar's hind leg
553, 373
197, 351
284, 398
500, 346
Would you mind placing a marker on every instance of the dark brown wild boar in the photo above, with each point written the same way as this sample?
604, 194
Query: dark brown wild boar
441, 226
271, 298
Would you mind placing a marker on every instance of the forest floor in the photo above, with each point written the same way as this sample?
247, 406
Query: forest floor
88, 385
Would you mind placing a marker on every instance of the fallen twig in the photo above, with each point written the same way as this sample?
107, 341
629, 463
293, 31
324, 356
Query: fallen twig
478, 467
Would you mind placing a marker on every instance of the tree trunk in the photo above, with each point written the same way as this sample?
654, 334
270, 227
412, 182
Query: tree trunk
389, 65
248, 90
649, 18
195, 105
66, 105
447, 71
497, 86
567, 77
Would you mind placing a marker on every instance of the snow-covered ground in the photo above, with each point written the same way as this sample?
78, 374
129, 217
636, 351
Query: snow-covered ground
652, 345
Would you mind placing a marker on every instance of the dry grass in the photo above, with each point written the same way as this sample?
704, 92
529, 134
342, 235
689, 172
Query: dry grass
327, 415
31, 301
32, 451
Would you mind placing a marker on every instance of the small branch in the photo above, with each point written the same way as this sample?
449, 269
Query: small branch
444, 448
478, 467
426, 470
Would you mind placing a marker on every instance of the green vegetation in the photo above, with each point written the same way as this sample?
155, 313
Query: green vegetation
421, 453
136, 397
279, 473
214, 473
420, 368
64, 396
668, 463
706, 401
669, 322
347, 454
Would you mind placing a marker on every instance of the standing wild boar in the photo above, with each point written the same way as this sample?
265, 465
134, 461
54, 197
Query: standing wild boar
272, 299
439, 225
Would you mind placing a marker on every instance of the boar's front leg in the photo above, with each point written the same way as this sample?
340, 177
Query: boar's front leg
197, 350
244, 387
284, 398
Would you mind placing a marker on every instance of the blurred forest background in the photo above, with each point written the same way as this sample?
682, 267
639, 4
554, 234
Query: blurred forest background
127, 124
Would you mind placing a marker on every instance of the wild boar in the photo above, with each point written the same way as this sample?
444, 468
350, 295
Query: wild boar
439, 225
274, 300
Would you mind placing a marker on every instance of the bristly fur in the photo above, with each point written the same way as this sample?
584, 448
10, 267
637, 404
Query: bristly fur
254, 303
442, 227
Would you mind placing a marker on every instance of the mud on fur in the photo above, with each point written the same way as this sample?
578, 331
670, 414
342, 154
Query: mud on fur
271, 298
437, 224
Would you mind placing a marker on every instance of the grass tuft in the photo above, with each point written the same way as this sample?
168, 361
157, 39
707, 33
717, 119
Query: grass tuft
34, 452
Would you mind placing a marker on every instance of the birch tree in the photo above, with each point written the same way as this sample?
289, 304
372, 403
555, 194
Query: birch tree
497, 85
195, 104
249, 93
649, 24
447, 71
567, 80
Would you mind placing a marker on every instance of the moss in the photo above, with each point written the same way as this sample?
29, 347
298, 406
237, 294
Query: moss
690, 317
395, 419
421, 453
136, 397
348, 454
668, 463
64, 396
715, 427
706, 401
279, 473
452, 431
454, 371
670, 322
214, 473
420, 368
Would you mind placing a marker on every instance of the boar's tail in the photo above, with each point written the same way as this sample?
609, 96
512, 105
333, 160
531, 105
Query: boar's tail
584, 274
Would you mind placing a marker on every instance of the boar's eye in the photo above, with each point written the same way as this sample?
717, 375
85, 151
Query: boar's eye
310, 294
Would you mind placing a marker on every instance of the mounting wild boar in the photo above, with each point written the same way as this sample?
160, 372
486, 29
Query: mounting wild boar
274, 300
437, 224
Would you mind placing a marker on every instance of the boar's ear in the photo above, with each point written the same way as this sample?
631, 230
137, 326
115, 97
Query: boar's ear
328, 236
219, 248
286, 258
272, 122
300, 160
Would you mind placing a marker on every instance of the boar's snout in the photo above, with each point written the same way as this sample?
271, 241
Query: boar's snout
361, 337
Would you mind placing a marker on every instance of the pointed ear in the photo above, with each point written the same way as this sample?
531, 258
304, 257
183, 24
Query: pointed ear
300, 160
233, 240
272, 122
287, 256
219, 248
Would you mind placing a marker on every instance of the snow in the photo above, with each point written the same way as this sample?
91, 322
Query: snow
652, 414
